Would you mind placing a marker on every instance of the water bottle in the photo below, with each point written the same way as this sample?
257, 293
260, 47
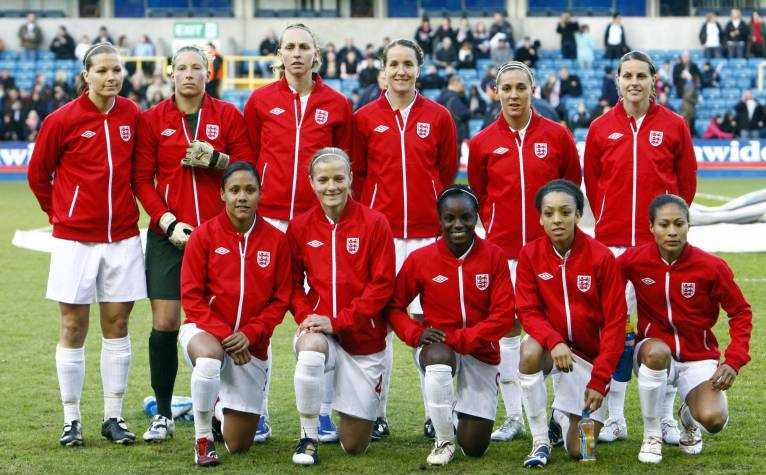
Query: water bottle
625, 366
587, 439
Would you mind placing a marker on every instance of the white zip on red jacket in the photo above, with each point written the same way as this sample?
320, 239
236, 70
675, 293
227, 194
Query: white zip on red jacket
192, 194
80, 170
400, 167
237, 282
627, 164
679, 303
285, 137
506, 170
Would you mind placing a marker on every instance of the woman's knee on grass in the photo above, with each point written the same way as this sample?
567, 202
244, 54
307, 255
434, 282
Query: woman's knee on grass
312, 342
654, 354
438, 353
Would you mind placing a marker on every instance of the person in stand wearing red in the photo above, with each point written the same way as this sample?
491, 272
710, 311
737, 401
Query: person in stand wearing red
508, 162
468, 305
345, 252
288, 121
636, 151
680, 291
235, 288
570, 299
184, 143
404, 153
80, 175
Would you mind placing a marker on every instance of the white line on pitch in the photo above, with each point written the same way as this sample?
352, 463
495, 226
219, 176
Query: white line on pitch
754, 279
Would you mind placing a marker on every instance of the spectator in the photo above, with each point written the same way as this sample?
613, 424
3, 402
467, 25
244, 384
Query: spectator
62, 44
432, 79
145, 49
424, 36
689, 99
464, 32
215, 68
2, 46
10, 130
664, 80
481, 41
349, 65
123, 48
614, 38
570, 83
545, 109
349, 46
40, 101
493, 106
728, 124
452, 99
567, 29
60, 97
664, 100
581, 118
369, 72
757, 35
269, 45
600, 109
330, 69
82, 47
61, 79
527, 53
500, 24
749, 115
552, 90
383, 46
158, 86
488, 80
445, 54
103, 36
736, 33
466, 59
373, 91
585, 54
502, 53
6, 79
711, 36
31, 126
445, 30
714, 130
709, 77
31, 37
476, 103
684, 73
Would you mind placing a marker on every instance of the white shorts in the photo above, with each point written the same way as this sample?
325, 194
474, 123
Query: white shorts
403, 248
685, 375
112, 272
280, 224
630, 291
477, 386
570, 389
242, 386
358, 380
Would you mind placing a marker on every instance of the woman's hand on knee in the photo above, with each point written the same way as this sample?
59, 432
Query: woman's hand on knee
432, 335
562, 357
237, 347
723, 377
317, 324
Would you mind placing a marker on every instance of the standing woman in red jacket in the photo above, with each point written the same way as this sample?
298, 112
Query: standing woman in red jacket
404, 153
634, 152
288, 121
235, 288
346, 253
571, 304
468, 305
80, 174
184, 143
508, 162
680, 291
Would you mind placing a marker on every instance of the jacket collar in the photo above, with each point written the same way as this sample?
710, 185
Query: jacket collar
685, 254
504, 127
577, 245
347, 215
446, 253
622, 115
85, 102
228, 227
206, 103
318, 84
386, 105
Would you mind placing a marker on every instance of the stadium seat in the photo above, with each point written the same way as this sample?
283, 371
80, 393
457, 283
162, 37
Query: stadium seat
483, 63
580, 134
333, 83
431, 93
700, 126
474, 126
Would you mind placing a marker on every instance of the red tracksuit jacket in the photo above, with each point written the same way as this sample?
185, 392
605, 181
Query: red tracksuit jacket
284, 142
679, 303
191, 194
350, 266
578, 300
470, 299
89, 198
232, 282
626, 168
506, 174
398, 167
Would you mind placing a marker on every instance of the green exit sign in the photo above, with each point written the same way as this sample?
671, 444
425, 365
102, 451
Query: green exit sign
198, 30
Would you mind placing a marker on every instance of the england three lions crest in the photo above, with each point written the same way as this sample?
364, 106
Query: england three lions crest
423, 129
583, 283
655, 137
125, 133
541, 150
321, 116
212, 131
687, 289
264, 258
482, 281
352, 245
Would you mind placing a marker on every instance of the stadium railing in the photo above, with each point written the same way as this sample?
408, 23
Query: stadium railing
140, 60
231, 78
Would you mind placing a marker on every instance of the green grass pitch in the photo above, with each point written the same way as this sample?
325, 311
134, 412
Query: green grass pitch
31, 416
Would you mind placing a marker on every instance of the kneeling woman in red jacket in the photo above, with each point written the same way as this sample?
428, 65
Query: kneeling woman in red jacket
680, 290
468, 305
346, 253
571, 302
235, 288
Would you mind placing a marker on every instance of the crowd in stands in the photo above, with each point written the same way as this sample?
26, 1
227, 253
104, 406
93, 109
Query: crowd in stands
451, 50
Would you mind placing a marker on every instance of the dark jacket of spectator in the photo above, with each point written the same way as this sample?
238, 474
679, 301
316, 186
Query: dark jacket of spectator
269, 46
527, 55
567, 29
545, 109
743, 118
679, 81
737, 33
446, 55
367, 76
580, 120
571, 86
623, 43
757, 43
424, 37
703, 34
62, 46
459, 110
432, 79
30, 35
502, 25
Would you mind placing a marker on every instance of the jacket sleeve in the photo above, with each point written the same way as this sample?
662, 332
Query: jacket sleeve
358, 157
501, 318
342, 133
43, 163
730, 296
194, 277
381, 268
145, 161
570, 164
447, 152
614, 309
299, 305
407, 328
592, 171
238, 146
686, 166
253, 124
262, 327
529, 305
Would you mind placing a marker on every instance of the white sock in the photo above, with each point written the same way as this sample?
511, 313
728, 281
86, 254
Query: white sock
440, 394
205, 384
308, 380
388, 366
115, 366
328, 394
509, 375
534, 395
651, 390
615, 399
265, 404
668, 401
70, 367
